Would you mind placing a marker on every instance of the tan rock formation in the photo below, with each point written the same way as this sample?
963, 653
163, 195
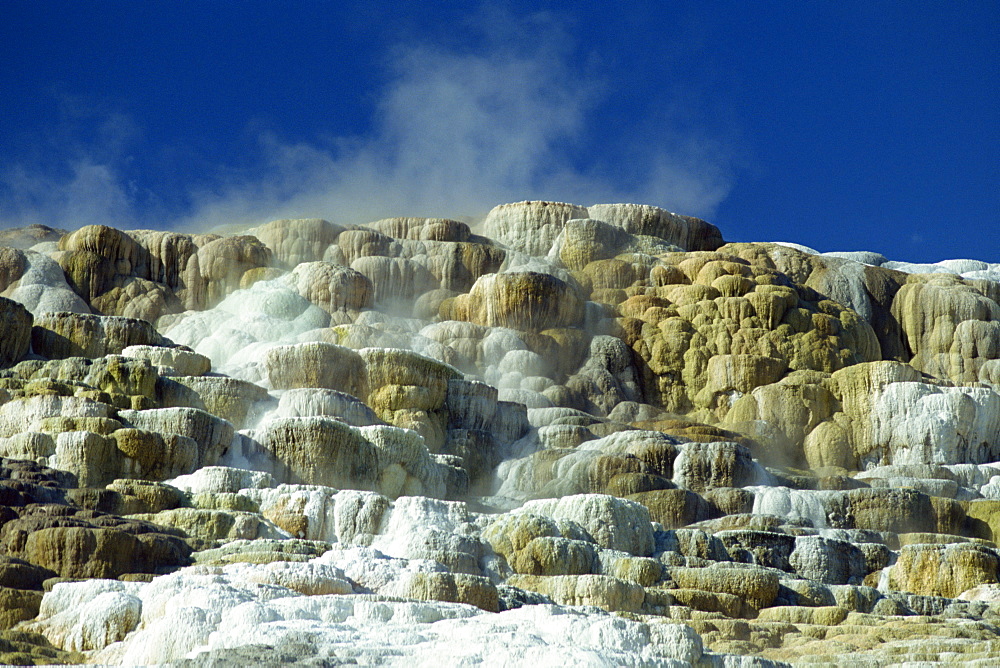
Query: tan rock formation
454, 587
456, 265
511, 533
218, 267
325, 451
209, 525
13, 264
602, 591
755, 585
181, 362
318, 365
29, 414
703, 466
422, 229
76, 548
943, 570
213, 436
362, 242
63, 334
523, 301
228, 398
530, 227
111, 374
320, 451
16, 339
674, 508
295, 241
94, 256
614, 523
18, 605
692, 234
29, 235
333, 287
397, 282
930, 313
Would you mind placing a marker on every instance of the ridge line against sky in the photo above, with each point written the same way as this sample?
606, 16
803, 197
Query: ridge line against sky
846, 126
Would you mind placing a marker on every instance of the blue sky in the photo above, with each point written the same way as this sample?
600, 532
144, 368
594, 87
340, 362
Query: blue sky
839, 125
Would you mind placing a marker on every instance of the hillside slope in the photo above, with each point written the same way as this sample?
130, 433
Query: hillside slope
572, 436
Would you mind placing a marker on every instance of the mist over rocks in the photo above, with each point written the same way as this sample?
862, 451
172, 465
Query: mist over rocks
586, 434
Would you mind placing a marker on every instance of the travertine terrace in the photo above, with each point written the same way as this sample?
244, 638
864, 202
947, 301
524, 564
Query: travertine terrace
569, 435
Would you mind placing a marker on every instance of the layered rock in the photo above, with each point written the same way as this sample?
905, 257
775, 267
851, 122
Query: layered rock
17, 332
530, 227
691, 234
293, 242
523, 301
64, 334
749, 452
333, 287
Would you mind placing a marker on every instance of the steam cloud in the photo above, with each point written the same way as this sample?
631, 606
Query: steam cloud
455, 133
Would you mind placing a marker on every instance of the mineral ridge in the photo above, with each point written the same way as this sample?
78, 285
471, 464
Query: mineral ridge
566, 436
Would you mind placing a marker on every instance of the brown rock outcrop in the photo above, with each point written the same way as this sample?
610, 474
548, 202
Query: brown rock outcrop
16, 339
64, 334
298, 240
526, 301
530, 227
692, 234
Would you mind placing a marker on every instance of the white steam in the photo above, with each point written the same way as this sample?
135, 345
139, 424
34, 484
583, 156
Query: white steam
455, 133
76, 173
